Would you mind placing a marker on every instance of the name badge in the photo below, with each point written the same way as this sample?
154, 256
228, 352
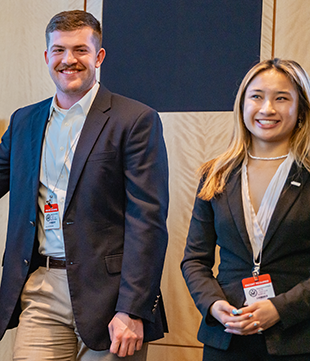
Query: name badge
51, 216
257, 290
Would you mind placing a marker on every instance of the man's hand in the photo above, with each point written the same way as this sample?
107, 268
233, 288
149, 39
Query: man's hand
126, 335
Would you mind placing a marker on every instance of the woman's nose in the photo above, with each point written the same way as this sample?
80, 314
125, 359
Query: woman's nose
267, 107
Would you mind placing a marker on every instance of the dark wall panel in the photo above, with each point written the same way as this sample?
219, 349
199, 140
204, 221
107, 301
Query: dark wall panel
178, 55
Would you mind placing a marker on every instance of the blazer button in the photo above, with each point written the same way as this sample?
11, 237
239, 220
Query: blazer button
26, 262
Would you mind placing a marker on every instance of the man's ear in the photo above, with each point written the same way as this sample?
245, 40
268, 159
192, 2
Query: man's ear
46, 57
100, 57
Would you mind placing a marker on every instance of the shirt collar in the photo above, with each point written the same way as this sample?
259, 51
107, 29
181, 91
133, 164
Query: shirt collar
84, 103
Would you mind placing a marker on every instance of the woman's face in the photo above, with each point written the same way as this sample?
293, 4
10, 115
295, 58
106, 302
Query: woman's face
270, 107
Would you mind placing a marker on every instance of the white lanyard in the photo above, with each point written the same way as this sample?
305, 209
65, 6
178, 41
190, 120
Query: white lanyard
49, 200
256, 267
257, 226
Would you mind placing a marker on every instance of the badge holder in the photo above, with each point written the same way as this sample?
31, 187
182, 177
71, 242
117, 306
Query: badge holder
51, 215
259, 287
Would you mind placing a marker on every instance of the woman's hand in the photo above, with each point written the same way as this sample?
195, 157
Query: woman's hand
265, 315
247, 320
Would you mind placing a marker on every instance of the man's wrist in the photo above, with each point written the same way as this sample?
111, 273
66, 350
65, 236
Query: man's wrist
133, 317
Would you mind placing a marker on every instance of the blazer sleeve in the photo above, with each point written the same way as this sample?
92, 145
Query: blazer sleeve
5, 147
293, 302
146, 185
199, 258
293, 306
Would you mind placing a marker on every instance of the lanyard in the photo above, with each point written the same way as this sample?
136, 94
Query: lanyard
49, 200
256, 267
257, 225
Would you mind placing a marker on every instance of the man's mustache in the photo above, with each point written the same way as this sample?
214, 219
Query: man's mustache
69, 67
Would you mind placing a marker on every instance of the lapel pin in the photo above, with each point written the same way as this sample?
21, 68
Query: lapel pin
297, 184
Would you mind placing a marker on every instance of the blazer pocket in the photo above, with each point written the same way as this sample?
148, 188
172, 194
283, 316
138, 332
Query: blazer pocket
107, 155
114, 263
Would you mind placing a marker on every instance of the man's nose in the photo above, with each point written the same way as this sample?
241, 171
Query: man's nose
68, 58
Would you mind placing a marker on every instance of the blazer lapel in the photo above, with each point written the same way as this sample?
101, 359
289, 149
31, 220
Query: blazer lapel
291, 190
234, 199
94, 123
38, 125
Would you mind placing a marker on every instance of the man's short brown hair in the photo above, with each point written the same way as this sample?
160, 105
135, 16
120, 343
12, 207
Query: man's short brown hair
74, 20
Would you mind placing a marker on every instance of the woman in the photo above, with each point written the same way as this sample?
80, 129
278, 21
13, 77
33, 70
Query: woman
254, 202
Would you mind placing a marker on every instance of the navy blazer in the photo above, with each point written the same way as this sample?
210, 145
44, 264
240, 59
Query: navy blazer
286, 257
114, 221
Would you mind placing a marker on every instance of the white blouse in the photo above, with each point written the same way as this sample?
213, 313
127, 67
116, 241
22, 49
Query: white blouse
257, 224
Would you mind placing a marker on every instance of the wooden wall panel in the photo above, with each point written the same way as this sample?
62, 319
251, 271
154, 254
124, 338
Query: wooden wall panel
267, 30
173, 353
191, 139
95, 7
292, 31
24, 77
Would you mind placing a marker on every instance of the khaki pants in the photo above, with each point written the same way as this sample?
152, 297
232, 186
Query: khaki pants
47, 329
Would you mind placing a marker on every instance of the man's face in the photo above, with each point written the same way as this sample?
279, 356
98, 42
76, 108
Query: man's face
72, 61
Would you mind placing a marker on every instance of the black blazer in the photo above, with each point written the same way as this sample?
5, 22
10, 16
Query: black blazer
114, 220
286, 257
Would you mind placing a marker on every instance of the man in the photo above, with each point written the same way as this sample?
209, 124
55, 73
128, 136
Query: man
88, 181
